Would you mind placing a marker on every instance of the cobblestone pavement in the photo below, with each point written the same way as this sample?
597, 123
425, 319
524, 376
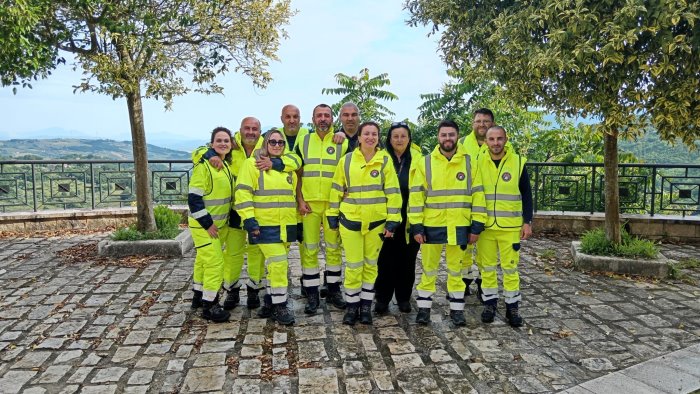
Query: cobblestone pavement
94, 328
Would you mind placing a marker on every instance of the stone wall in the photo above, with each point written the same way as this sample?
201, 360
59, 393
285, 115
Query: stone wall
664, 228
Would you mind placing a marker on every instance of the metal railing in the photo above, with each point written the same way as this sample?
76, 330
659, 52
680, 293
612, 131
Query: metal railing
34, 185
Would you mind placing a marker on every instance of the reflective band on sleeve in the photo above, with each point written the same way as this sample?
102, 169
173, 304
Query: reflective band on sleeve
334, 205
415, 209
241, 186
199, 214
392, 190
293, 158
392, 211
243, 205
196, 191
416, 189
478, 189
479, 209
337, 187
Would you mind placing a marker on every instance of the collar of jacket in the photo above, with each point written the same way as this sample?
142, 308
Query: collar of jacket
258, 144
377, 158
331, 131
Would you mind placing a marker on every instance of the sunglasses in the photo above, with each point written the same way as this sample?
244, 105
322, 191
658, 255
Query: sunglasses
399, 124
276, 142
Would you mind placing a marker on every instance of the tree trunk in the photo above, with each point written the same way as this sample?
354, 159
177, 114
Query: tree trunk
145, 221
612, 190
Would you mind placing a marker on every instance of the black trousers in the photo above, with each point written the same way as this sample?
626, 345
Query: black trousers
397, 268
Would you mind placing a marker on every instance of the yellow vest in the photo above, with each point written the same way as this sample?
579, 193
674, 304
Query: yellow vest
320, 158
366, 192
210, 192
268, 197
300, 135
504, 205
445, 196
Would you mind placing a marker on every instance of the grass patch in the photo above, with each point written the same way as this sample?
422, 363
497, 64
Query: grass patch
167, 224
548, 254
594, 242
675, 271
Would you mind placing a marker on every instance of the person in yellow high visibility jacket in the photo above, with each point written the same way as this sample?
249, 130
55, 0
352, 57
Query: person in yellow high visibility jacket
446, 208
397, 260
209, 201
291, 127
248, 141
509, 216
320, 156
473, 144
266, 202
365, 205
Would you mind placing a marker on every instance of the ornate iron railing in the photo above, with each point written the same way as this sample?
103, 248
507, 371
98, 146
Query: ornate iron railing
27, 185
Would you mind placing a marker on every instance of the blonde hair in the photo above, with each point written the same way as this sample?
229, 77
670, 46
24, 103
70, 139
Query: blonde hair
263, 151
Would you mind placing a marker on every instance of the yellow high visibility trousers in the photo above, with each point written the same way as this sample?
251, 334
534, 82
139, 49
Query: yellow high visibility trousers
277, 266
236, 245
470, 264
490, 245
431, 261
361, 253
208, 263
309, 248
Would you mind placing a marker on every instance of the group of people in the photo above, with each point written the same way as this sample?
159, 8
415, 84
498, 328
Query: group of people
378, 203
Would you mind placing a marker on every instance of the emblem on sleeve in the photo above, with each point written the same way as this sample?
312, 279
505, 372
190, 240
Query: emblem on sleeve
330, 150
374, 173
506, 176
460, 176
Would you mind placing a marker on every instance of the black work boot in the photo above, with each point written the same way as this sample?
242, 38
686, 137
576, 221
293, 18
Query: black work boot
214, 312
312, 301
489, 312
233, 298
266, 310
324, 289
366, 313
335, 297
381, 308
351, 314
282, 315
253, 298
196, 299
513, 315
467, 290
479, 292
423, 316
458, 318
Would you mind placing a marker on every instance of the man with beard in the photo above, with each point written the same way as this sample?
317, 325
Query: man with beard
509, 217
291, 121
473, 144
320, 156
446, 208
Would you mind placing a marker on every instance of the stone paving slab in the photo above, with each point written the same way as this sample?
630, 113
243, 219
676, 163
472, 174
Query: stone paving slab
88, 327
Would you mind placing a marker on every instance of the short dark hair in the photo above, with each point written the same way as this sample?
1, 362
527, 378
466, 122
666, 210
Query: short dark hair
448, 123
219, 129
321, 106
485, 111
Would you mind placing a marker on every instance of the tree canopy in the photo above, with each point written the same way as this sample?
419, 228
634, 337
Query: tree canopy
143, 49
366, 92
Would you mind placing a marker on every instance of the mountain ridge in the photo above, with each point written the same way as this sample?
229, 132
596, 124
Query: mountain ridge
80, 149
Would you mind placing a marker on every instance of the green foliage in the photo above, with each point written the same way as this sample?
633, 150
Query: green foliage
366, 92
677, 271
648, 148
548, 254
594, 242
167, 224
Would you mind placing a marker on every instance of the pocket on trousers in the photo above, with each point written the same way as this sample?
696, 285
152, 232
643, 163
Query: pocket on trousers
516, 247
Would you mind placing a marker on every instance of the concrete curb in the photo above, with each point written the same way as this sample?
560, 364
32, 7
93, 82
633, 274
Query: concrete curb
162, 247
656, 268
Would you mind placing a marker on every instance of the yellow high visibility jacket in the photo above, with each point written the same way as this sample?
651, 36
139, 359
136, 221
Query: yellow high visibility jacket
209, 197
446, 196
504, 205
300, 136
366, 194
320, 159
268, 198
472, 147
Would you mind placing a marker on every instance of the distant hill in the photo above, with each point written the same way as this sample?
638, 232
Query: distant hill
651, 150
77, 149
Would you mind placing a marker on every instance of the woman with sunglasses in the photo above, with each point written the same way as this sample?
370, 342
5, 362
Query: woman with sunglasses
397, 259
266, 202
209, 201
365, 204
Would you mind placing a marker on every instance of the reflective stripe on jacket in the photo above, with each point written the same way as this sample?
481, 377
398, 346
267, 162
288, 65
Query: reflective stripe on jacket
446, 196
366, 192
209, 198
320, 159
268, 197
504, 204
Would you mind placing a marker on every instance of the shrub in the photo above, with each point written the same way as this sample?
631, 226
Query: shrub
167, 224
594, 242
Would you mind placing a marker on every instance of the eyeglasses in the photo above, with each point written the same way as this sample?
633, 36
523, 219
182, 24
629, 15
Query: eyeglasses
399, 124
276, 142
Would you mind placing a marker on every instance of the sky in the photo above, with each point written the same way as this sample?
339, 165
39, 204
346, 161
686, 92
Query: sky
321, 44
